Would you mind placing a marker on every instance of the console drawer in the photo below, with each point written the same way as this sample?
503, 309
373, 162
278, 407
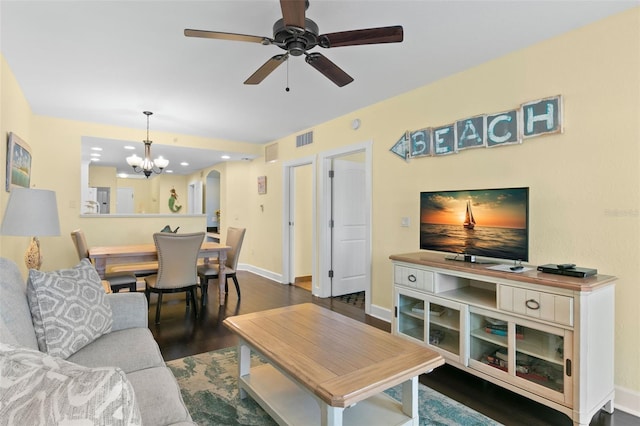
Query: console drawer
415, 278
537, 304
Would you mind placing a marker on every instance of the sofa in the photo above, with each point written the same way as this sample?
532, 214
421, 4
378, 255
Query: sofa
72, 354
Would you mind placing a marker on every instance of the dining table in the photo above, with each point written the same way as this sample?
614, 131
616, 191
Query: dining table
105, 256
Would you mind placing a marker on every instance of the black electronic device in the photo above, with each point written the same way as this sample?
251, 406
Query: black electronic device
517, 268
570, 272
566, 265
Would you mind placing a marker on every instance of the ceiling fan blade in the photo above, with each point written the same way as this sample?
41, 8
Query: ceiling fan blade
266, 69
293, 13
329, 69
394, 34
227, 36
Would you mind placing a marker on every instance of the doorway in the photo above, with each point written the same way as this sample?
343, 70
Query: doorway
345, 221
299, 222
103, 197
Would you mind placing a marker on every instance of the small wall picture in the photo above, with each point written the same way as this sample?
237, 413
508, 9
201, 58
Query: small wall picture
262, 184
18, 162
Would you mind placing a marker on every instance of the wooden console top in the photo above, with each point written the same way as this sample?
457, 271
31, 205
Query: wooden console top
533, 276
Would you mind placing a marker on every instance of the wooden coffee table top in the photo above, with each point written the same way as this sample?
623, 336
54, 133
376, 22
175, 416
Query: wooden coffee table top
340, 360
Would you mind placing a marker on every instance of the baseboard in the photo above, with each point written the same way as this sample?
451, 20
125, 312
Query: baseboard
381, 313
627, 400
262, 272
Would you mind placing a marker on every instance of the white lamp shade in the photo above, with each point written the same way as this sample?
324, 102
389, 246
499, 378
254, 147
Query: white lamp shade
161, 162
134, 161
31, 212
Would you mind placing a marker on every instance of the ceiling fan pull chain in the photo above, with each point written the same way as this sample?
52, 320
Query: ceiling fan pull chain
287, 88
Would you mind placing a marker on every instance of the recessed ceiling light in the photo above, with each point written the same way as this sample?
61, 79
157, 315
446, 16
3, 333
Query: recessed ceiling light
96, 148
95, 159
129, 147
225, 157
123, 175
184, 163
95, 154
168, 171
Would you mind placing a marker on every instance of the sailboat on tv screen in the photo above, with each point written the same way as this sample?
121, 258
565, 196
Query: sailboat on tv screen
469, 221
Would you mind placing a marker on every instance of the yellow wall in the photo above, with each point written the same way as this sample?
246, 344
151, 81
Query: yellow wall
584, 183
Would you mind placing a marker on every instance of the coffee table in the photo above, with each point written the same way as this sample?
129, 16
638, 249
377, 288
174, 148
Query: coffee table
326, 369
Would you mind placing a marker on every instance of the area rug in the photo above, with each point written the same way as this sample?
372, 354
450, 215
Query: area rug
209, 387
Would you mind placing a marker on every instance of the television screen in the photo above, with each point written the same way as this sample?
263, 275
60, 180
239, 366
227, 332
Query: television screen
482, 222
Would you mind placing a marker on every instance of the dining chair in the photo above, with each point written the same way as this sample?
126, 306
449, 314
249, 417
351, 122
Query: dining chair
177, 263
208, 271
116, 280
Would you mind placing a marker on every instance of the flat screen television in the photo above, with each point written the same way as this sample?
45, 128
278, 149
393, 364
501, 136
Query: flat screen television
491, 223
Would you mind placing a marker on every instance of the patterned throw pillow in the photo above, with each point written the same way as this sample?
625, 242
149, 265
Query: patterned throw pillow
68, 307
38, 389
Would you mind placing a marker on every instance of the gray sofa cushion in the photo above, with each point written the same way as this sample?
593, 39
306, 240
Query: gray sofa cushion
129, 310
131, 349
68, 308
39, 389
15, 318
158, 396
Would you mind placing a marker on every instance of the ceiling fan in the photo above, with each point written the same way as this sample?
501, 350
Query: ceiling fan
297, 34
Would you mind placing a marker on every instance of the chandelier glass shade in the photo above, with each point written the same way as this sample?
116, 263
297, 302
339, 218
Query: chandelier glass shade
146, 165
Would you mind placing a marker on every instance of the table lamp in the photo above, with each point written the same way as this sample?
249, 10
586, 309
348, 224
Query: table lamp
31, 213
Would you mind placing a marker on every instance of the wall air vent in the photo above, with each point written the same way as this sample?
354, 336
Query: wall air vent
271, 153
304, 139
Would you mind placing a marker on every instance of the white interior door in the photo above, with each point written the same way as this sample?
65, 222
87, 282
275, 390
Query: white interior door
194, 198
124, 200
350, 227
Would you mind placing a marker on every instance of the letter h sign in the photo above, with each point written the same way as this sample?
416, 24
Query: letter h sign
542, 117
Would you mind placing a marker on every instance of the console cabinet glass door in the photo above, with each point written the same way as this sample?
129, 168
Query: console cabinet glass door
410, 315
430, 320
488, 343
543, 359
536, 356
443, 331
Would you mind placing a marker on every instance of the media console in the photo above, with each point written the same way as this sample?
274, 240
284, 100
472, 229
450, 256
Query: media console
547, 337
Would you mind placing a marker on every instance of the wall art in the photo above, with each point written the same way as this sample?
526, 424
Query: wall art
18, 162
532, 119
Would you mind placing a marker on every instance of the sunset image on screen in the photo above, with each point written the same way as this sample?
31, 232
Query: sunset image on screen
503, 209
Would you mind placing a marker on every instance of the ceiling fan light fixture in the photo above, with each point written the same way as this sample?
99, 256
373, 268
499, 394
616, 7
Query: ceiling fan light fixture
297, 35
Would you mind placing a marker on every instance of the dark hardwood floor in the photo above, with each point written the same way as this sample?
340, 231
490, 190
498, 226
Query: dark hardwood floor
179, 334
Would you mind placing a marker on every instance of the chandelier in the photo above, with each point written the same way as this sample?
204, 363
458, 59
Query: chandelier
146, 165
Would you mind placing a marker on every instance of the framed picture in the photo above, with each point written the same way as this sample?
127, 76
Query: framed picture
18, 162
262, 184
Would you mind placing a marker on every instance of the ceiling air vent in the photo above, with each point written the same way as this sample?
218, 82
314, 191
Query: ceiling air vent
271, 153
304, 139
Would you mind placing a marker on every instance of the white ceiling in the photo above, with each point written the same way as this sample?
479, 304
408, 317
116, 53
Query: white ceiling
107, 61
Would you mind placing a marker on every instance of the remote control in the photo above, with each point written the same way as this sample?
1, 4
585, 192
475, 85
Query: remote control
517, 268
566, 265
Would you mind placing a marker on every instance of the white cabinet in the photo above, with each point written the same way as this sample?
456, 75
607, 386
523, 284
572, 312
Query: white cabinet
547, 337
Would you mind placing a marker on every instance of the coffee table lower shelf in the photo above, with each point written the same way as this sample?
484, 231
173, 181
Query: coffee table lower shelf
289, 404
